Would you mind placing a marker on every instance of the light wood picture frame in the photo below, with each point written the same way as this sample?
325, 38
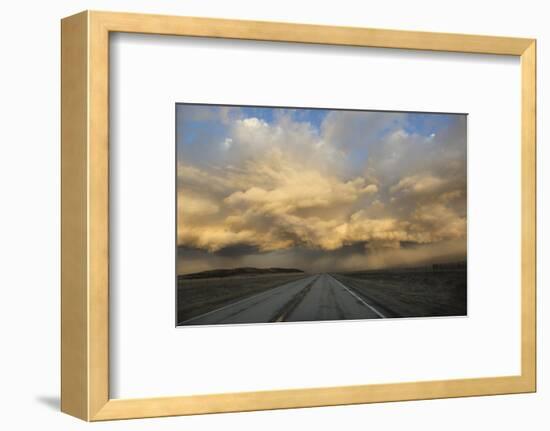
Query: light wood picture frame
85, 215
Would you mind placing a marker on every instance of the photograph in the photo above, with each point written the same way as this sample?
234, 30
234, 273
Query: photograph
292, 214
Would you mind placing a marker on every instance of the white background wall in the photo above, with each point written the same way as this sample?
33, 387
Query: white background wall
29, 212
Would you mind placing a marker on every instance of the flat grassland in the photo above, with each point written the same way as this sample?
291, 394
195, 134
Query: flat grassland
201, 295
414, 293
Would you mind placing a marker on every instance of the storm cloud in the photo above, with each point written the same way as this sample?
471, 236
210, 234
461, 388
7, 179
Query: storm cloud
323, 190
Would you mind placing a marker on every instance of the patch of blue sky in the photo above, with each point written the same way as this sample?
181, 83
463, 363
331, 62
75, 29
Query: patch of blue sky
270, 115
261, 113
315, 117
198, 133
426, 124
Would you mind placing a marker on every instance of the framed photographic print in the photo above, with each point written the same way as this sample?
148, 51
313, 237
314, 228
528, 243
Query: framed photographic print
319, 202
299, 214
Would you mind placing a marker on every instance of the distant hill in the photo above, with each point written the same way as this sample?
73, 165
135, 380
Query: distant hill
214, 273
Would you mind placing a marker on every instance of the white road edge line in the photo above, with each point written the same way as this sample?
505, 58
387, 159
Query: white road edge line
241, 300
358, 298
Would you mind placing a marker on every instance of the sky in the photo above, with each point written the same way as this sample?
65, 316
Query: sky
318, 189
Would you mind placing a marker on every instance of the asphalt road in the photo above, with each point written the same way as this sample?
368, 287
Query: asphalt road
316, 297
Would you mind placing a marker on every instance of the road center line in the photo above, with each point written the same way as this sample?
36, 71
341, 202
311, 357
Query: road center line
361, 300
290, 306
